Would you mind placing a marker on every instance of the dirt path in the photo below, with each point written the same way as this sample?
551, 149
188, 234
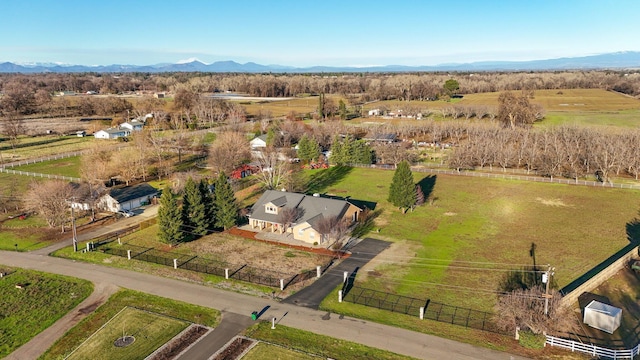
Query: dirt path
43, 341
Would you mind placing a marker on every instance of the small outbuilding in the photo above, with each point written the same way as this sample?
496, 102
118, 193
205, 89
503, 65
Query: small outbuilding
602, 316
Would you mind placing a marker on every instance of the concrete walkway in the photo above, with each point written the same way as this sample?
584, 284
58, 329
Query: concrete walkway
372, 334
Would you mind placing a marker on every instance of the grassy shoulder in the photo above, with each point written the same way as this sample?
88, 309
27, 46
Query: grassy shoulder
176, 309
268, 351
31, 301
310, 343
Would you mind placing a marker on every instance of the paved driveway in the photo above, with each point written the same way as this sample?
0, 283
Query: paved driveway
361, 254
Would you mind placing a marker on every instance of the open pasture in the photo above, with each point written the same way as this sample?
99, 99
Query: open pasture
280, 108
457, 246
64, 167
147, 331
32, 301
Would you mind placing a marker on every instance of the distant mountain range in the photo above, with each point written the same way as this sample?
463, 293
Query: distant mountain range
617, 60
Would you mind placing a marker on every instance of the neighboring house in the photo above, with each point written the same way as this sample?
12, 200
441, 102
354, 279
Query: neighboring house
133, 125
374, 112
127, 198
66, 93
81, 133
159, 95
259, 142
112, 133
374, 137
267, 213
243, 171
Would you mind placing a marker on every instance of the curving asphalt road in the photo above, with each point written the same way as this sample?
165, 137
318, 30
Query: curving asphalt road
386, 337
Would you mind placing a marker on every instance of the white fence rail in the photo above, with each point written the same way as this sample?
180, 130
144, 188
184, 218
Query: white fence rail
592, 350
32, 174
506, 176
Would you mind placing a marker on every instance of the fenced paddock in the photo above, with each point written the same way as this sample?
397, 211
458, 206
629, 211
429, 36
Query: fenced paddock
150, 331
592, 350
242, 272
456, 315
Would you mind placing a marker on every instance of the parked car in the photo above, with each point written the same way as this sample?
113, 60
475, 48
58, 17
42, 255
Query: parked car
125, 213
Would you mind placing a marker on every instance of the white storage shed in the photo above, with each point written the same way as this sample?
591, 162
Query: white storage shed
602, 316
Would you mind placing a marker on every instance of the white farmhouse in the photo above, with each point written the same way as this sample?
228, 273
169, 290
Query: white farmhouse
112, 133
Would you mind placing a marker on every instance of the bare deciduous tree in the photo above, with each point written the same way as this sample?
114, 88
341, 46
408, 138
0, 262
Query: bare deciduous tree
274, 170
525, 309
50, 199
229, 150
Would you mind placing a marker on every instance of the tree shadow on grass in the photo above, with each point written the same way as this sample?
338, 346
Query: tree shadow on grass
366, 223
427, 184
633, 231
320, 180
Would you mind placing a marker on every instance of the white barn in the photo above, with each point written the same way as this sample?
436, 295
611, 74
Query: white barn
602, 316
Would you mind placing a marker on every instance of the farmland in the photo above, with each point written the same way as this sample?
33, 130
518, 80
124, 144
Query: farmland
31, 301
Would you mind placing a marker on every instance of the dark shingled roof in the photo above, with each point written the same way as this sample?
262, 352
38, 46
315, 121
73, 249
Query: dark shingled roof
132, 192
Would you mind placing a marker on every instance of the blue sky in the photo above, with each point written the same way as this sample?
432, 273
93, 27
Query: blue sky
306, 33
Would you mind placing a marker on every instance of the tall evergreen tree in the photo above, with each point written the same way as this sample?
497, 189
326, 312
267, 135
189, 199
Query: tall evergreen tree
308, 149
402, 192
169, 219
226, 205
337, 152
194, 212
209, 203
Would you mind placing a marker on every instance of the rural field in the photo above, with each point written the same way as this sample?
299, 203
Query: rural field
32, 301
148, 331
471, 232
156, 312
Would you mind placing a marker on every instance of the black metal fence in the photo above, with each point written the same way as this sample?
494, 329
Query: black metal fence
456, 315
203, 265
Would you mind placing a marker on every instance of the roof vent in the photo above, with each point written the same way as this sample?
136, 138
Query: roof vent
316, 194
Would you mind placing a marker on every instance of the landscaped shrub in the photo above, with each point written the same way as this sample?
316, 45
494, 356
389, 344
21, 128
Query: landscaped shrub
530, 340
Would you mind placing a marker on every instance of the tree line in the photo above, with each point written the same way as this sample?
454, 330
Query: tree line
360, 87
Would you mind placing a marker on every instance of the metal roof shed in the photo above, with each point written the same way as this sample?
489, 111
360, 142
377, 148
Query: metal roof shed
602, 316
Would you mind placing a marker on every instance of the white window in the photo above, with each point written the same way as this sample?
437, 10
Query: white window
312, 235
270, 209
301, 232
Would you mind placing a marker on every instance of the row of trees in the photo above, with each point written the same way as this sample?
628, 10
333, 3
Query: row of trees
363, 87
567, 151
202, 210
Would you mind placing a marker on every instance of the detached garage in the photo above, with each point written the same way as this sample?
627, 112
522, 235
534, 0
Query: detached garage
602, 316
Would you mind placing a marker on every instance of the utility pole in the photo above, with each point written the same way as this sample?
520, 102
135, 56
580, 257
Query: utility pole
546, 279
73, 229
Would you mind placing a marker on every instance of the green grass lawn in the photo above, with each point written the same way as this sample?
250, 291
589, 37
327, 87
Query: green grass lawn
38, 147
623, 118
43, 299
29, 234
150, 331
310, 343
170, 308
64, 167
456, 249
267, 351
